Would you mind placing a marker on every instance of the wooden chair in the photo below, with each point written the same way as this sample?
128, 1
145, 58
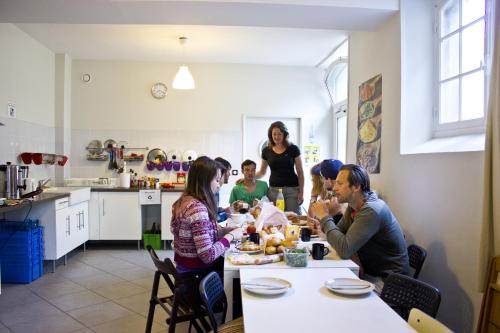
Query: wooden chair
403, 293
417, 257
423, 323
213, 297
181, 306
489, 317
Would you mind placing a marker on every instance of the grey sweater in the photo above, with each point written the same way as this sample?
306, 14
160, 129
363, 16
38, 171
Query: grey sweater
374, 233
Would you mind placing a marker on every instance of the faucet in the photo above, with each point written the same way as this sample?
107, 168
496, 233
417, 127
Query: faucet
42, 183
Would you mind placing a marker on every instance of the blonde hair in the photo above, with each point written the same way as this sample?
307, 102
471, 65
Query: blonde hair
318, 187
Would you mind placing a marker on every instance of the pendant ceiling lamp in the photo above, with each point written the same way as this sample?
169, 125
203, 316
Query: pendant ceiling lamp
183, 79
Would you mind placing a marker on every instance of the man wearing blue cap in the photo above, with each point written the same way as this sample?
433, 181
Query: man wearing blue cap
368, 227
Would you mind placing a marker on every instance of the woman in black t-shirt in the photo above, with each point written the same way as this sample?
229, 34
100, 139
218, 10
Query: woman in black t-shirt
286, 168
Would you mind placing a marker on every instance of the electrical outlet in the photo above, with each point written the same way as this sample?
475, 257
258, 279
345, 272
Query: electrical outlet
234, 172
11, 110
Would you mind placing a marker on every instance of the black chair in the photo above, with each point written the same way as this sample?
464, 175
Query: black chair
213, 297
402, 293
417, 257
183, 305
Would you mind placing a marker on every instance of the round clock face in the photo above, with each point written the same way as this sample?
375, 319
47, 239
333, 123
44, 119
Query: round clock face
159, 90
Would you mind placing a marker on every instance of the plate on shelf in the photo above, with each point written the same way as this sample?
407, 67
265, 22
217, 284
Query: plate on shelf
95, 147
266, 286
157, 155
348, 286
109, 144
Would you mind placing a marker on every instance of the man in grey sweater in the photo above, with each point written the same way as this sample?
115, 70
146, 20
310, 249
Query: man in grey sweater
367, 228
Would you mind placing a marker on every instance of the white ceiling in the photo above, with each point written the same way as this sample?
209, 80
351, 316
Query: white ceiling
286, 32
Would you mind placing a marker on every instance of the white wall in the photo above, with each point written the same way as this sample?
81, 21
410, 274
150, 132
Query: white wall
436, 197
27, 80
117, 104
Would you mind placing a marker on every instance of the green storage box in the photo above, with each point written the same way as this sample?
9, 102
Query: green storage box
152, 239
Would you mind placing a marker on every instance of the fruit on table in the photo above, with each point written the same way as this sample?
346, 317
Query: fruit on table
271, 250
251, 229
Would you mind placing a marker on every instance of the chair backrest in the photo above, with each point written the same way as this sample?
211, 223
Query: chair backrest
417, 257
165, 267
403, 293
423, 323
213, 296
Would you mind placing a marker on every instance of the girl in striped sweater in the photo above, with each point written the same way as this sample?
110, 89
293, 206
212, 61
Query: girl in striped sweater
198, 241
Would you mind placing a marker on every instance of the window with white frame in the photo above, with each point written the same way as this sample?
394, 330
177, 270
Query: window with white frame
337, 82
462, 44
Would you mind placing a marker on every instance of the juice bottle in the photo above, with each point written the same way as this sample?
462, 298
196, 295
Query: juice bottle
280, 200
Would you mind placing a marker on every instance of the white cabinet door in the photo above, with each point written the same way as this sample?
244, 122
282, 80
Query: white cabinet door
94, 216
167, 200
63, 230
120, 217
79, 216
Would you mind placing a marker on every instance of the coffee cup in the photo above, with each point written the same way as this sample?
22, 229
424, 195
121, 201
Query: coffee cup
305, 234
254, 237
319, 251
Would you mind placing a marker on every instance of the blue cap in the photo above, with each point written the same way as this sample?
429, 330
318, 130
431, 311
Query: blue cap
315, 170
330, 168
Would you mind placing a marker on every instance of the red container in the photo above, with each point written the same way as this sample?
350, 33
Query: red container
37, 158
26, 158
61, 160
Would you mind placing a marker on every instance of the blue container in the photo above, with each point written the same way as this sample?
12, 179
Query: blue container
21, 251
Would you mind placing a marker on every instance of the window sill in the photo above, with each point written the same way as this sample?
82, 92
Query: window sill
462, 143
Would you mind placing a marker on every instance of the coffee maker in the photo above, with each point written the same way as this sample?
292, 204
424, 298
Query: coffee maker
11, 180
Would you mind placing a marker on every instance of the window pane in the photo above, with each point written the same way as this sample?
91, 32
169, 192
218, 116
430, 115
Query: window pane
473, 95
341, 85
449, 57
473, 46
342, 138
448, 111
472, 10
449, 17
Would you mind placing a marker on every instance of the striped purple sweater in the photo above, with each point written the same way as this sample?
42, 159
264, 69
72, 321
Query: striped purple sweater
195, 235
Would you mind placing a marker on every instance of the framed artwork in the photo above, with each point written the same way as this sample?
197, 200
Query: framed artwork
368, 147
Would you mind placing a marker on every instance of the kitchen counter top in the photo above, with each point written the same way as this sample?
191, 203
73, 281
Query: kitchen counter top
133, 189
43, 197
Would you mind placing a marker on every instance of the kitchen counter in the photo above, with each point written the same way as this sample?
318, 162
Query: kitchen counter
132, 189
43, 197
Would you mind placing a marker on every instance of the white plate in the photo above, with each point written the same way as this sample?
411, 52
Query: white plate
314, 236
248, 252
347, 286
267, 286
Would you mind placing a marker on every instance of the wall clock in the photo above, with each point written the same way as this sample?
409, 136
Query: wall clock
159, 90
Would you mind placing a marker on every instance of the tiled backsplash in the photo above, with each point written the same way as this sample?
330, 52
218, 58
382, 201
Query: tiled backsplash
19, 136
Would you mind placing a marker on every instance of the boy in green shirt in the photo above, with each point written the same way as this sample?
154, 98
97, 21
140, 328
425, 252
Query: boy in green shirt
250, 188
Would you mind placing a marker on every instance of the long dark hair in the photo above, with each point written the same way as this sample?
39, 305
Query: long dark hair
282, 127
201, 173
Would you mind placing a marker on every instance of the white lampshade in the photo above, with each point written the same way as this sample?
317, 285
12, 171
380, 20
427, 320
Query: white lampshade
183, 79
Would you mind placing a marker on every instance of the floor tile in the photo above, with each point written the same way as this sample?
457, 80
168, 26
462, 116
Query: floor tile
55, 290
4, 329
13, 295
119, 290
114, 264
96, 280
147, 283
28, 312
77, 300
83, 330
134, 273
138, 303
100, 313
130, 324
77, 269
61, 323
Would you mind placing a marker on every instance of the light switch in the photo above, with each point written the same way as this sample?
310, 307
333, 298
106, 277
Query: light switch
11, 110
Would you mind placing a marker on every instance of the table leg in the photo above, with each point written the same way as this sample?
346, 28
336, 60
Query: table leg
229, 275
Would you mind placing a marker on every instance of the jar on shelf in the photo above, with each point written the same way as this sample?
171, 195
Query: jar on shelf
181, 177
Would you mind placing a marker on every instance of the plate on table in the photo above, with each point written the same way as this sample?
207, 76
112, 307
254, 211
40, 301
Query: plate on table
266, 286
248, 251
314, 236
348, 286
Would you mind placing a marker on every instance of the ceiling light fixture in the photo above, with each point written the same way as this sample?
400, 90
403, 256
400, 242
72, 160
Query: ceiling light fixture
183, 79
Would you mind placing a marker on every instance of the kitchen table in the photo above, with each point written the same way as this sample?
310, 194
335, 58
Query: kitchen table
231, 271
308, 306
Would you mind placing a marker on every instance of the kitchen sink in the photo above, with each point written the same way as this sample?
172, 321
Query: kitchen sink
76, 194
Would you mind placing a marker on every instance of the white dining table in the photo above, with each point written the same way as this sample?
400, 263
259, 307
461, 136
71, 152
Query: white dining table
232, 271
308, 306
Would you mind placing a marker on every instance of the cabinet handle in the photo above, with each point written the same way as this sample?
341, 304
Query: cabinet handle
83, 219
79, 222
103, 210
68, 228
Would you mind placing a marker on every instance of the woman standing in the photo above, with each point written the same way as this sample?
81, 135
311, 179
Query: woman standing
286, 167
196, 239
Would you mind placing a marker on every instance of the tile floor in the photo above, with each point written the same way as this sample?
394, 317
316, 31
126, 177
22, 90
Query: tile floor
101, 290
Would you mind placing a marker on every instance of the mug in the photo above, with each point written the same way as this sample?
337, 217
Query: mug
305, 234
254, 237
319, 251
37, 158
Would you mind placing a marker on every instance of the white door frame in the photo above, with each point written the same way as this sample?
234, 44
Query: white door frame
243, 134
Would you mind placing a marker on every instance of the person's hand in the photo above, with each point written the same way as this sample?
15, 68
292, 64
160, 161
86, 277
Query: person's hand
313, 223
236, 233
239, 181
227, 210
319, 209
300, 198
